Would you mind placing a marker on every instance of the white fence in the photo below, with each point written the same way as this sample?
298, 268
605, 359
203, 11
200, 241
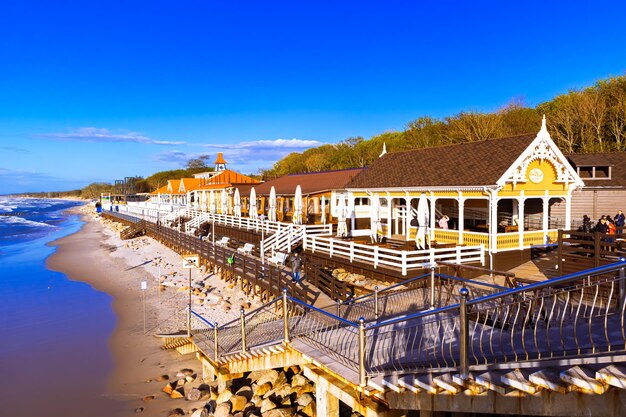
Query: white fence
401, 259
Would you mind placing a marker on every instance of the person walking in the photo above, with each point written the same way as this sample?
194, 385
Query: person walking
296, 266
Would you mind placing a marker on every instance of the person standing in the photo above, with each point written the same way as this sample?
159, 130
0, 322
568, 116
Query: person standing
443, 222
619, 219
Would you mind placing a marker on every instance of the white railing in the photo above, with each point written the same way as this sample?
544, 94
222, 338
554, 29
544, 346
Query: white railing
401, 259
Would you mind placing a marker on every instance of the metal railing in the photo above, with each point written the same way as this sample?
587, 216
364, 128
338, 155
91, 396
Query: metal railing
571, 316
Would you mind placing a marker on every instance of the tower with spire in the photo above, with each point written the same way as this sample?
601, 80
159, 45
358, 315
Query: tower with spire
220, 163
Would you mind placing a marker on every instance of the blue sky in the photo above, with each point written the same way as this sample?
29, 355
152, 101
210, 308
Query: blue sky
96, 91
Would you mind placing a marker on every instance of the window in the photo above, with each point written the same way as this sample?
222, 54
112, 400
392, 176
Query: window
594, 172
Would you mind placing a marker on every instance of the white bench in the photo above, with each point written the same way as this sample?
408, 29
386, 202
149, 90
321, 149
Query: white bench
223, 241
278, 258
246, 249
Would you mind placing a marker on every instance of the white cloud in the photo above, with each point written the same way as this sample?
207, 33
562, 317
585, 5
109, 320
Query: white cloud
244, 156
94, 134
268, 144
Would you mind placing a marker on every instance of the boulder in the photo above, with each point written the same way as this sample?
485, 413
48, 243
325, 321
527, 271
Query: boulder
168, 388
238, 403
222, 410
279, 412
200, 412
148, 398
177, 393
261, 377
163, 378
190, 378
224, 396
298, 381
305, 400
176, 412
139, 410
308, 387
309, 410
261, 390
180, 382
267, 405
194, 394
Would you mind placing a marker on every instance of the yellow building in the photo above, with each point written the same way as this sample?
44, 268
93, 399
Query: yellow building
495, 192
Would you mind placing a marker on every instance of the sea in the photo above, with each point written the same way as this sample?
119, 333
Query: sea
54, 332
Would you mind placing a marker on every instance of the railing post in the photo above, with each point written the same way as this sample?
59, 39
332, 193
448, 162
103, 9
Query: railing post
464, 335
215, 345
362, 373
432, 287
622, 287
189, 321
285, 315
376, 302
243, 330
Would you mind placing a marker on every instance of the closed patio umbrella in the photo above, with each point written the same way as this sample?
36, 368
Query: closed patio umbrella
253, 214
323, 209
237, 203
376, 228
297, 206
272, 209
224, 202
422, 222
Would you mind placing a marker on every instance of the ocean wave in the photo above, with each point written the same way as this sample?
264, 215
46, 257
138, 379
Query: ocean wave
23, 221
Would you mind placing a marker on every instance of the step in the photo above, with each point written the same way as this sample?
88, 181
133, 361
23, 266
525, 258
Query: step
491, 381
614, 375
408, 382
549, 379
584, 379
518, 380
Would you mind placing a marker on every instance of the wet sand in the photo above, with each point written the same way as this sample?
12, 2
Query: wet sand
97, 256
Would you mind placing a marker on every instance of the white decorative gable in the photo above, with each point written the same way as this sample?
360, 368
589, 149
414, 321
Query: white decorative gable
542, 148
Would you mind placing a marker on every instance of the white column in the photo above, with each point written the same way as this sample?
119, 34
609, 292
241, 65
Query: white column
461, 225
433, 201
389, 214
407, 217
493, 220
568, 210
520, 220
546, 209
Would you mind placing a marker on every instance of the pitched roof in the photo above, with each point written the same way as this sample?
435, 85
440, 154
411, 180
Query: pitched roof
162, 190
311, 183
190, 184
616, 160
465, 164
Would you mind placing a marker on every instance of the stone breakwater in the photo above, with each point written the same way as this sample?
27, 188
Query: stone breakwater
281, 392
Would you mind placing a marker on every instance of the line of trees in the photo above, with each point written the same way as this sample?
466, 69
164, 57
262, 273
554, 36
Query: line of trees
592, 119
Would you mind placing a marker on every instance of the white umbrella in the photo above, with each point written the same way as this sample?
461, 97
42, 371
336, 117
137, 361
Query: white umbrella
253, 213
224, 202
212, 206
272, 211
342, 227
297, 206
237, 203
323, 210
422, 222
375, 218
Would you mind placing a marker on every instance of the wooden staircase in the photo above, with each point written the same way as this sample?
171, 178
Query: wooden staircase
137, 229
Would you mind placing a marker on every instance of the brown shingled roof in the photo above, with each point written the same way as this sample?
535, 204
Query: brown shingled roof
616, 160
465, 164
311, 183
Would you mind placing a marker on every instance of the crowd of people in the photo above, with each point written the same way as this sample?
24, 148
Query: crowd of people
606, 224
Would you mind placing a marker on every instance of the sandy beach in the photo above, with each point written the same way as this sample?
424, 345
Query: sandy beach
97, 256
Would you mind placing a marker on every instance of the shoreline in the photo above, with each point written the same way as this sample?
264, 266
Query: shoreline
95, 255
